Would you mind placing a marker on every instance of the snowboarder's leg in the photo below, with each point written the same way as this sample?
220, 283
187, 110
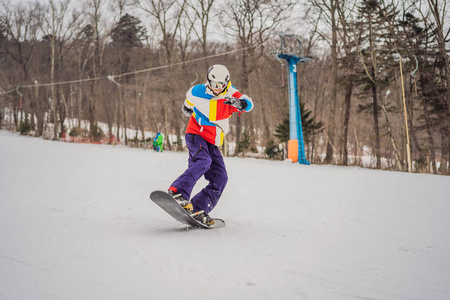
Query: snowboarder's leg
199, 164
217, 176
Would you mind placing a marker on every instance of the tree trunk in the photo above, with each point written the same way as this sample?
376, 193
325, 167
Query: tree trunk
332, 115
92, 108
443, 168
391, 136
244, 87
63, 113
119, 114
40, 113
438, 9
53, 90
417, 148
430, 135
124, 117
16, 117
347, 102
376, 125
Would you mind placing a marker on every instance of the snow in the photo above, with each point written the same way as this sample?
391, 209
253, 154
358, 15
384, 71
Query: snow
76, 222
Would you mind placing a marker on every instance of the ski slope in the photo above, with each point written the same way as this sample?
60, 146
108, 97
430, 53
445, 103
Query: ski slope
76, 223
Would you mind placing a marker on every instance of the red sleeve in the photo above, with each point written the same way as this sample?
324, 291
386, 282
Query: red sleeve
224, 111
237, 94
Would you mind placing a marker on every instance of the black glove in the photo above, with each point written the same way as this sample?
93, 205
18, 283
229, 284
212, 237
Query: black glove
238, 103
186, 111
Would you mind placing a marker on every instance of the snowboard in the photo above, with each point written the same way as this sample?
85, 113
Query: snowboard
173, 208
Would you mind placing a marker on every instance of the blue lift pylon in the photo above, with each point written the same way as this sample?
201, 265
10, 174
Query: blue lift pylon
296, 146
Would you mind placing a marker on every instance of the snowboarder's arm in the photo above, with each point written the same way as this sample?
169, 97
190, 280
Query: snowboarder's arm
186, 110
243, 103
248, 101
238, 103
188, 106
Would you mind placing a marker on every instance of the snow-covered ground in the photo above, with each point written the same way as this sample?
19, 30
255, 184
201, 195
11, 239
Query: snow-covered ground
76, 223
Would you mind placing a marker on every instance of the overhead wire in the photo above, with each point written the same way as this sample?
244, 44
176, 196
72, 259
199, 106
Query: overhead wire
112, 77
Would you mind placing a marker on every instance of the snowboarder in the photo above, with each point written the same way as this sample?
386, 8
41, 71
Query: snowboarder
209, 107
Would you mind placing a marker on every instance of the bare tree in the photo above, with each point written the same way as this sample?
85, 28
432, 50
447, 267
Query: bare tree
58, 30
202, 14
328, 12
251, 22
439, 9
349, 61
95, 11
168, 15
22, 24
82, 53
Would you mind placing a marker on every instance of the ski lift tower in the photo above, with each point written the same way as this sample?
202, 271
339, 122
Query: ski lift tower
296, 147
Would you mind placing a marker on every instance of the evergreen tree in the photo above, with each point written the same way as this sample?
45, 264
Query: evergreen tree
427, 90
126, 35
272, 149
373, 36
348, 66
310, 126
129, 32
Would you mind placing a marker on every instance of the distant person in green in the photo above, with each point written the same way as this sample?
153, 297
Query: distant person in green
158, 142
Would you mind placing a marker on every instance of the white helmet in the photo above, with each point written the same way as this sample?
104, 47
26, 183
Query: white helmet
218, 77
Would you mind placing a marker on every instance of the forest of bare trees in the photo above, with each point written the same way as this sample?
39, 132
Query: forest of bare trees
68, 66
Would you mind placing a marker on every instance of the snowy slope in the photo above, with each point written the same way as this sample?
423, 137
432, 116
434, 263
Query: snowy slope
76, 223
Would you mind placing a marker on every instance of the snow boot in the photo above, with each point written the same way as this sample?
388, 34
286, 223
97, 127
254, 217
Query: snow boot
186, 204
203, 218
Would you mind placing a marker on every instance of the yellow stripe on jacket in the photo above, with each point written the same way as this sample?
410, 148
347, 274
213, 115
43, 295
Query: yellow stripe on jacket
213, 110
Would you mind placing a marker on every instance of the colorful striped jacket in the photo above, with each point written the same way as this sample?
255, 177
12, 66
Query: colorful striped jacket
210, 117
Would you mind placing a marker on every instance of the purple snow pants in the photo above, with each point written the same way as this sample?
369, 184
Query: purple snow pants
204, 159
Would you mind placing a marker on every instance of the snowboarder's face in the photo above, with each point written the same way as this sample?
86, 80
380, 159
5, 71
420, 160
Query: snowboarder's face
217, 86
216, 91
